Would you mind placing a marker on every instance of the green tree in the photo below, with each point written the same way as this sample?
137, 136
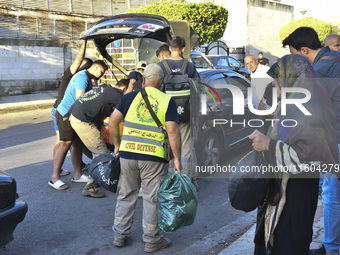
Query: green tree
208, 20
322, 28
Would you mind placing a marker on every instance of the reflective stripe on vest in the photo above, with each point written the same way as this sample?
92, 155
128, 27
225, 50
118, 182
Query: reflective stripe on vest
139, 126
178, 93
141, 134
141, 140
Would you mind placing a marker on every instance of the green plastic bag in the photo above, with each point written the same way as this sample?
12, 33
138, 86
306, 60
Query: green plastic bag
177, 203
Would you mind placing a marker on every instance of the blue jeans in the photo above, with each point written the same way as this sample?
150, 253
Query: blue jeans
54, 119
331, 212
321, 181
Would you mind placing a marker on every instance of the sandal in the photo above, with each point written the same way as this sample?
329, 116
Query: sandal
83, 178
58, 185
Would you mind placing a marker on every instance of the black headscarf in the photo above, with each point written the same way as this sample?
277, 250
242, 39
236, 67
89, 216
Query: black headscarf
313, 138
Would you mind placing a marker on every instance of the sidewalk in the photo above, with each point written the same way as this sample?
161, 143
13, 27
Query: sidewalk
28, 102
242, 246
245, 245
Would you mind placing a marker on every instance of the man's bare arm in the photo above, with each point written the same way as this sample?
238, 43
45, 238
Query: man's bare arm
79, 58
130, 87
115, 118
175, 143
79, 93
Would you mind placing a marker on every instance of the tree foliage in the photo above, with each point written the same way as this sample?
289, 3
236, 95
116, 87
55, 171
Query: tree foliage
208, 20
322, 28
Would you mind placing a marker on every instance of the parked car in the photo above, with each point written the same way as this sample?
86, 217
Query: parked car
227, 62
200, 60
213, 141
12, 210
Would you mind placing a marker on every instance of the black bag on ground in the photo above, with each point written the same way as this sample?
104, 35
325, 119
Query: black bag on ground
178, 85
105, 170
249, 186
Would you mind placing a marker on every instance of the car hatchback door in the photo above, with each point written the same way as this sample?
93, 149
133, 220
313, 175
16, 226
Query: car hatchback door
148, 31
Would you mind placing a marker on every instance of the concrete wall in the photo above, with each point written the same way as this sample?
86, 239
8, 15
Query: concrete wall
235, 34
86, 7
264, 19
39, 39
254, 24
27, 66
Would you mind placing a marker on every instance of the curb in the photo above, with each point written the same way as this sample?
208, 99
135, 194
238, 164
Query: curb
243, 245
22, 107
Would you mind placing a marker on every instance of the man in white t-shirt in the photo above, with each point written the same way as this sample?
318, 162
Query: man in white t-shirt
259, 79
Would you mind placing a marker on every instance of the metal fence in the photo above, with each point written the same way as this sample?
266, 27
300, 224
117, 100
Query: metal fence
27, 24
124, 51
87, 7
56, 19
22, 27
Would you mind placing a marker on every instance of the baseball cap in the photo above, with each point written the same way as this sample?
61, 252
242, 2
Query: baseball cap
141, 65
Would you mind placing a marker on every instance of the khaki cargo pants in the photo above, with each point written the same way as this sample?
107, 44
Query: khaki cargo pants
135, 174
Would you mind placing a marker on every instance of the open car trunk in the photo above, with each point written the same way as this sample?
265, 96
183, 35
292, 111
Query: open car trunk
126, 39
128, 26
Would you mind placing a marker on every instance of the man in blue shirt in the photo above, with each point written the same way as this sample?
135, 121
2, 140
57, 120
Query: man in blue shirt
80, 83
326, 63
80, 63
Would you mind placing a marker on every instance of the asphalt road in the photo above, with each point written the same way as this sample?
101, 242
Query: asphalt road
65, 222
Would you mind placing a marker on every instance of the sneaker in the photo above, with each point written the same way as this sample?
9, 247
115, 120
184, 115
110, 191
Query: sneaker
92, 192
119, 242
153, 247
318, 251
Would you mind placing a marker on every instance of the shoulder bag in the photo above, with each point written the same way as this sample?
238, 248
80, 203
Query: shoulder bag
250, 186
168, 155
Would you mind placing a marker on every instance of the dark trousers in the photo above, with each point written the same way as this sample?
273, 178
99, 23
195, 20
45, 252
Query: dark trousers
293, 234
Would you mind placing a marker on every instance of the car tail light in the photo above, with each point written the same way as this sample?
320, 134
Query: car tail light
8, 191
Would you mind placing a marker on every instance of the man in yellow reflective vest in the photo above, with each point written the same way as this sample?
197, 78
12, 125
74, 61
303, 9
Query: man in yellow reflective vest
142, 157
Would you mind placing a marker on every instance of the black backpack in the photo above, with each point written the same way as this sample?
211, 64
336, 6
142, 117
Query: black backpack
178, 85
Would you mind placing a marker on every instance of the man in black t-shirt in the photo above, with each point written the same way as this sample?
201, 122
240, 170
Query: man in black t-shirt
163, 52
188, 155
262, 60
92, 107
136, 77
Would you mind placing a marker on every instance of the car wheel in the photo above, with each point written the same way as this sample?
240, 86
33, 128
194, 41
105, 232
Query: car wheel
209, 149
